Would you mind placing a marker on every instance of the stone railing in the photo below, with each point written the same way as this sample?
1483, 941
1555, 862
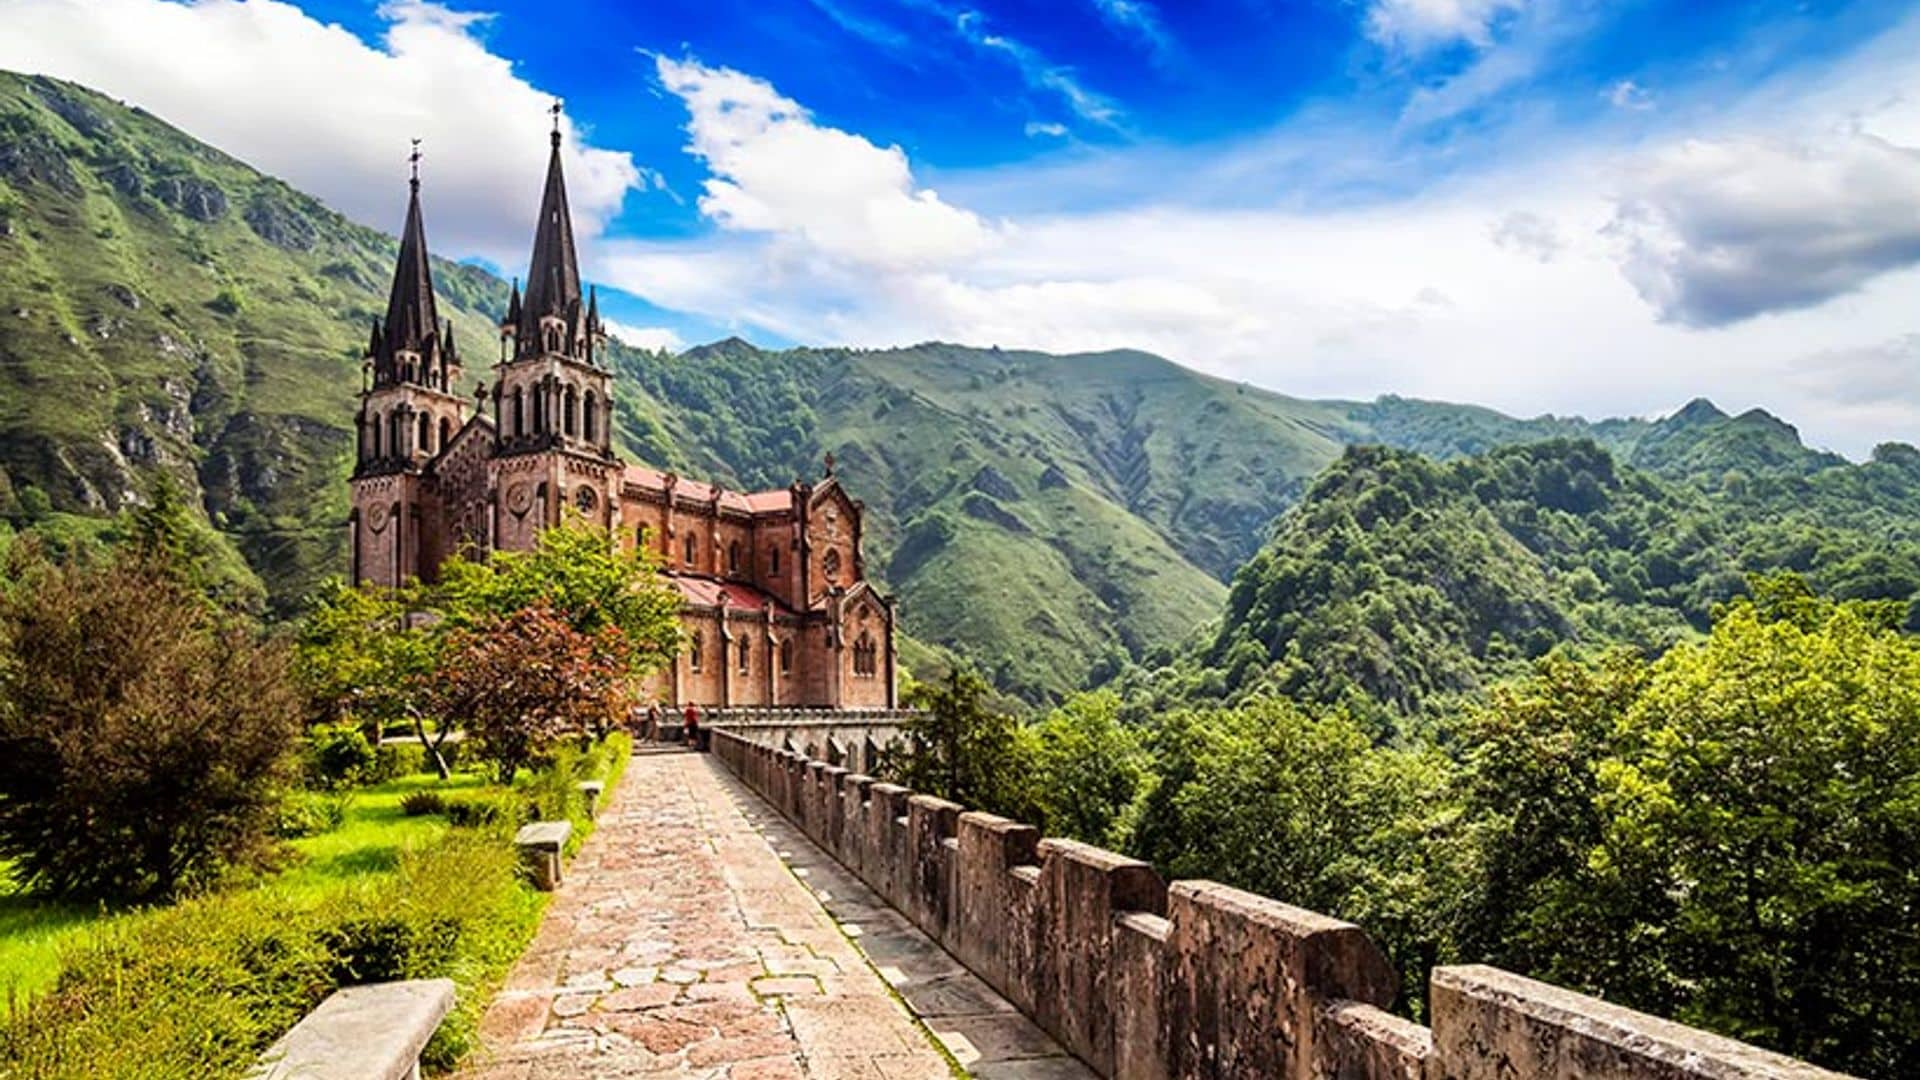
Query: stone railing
1143, 981
853, 738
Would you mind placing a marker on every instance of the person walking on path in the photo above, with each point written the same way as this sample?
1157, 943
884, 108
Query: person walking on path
691, 733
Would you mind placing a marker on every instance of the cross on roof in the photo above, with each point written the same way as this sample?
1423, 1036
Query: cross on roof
413, 159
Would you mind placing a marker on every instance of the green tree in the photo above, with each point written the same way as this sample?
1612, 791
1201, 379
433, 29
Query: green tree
1089, 768
145, 734
1770, 787
362, 655
582, 574
964, 750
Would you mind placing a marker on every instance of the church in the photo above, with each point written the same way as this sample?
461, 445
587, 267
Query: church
776, 606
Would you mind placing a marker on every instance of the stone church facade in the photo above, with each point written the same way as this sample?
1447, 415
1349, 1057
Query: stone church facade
776, 605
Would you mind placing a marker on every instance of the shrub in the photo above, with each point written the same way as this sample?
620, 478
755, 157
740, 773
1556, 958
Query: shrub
202, 988
496, 808
144, 733
423, 802
338, 755
391, 761
310, 813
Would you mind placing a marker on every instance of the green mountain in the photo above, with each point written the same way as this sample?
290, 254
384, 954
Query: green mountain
166, 309
1402, 582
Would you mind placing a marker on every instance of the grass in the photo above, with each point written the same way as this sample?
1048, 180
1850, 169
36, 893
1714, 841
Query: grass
202, 986
34, 930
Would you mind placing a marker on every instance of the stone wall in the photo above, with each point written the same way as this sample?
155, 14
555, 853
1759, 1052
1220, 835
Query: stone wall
1145, 981
852, 738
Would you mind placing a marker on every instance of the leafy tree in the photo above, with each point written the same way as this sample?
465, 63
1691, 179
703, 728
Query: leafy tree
525, 678
1089, 768
1769, 792
361, 655
966, 751
144, 734
580, 574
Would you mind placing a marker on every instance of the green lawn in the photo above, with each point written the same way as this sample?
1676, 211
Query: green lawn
369, 842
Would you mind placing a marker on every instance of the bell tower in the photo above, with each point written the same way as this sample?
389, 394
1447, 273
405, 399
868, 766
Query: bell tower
552, 401
409, 410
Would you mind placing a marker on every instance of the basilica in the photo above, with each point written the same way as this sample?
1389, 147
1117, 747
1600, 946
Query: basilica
776, 605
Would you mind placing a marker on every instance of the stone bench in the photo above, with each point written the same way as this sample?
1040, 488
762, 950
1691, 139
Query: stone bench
361, 1033
540, 846
590, 792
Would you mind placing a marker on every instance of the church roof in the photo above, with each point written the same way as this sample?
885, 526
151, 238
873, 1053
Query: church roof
553, 278
748, 502
412, 321
708, 592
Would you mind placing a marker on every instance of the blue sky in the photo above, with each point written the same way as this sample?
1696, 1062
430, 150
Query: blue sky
1541, 205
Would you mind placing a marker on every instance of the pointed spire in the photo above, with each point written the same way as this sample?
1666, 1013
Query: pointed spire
412, 322
553, 277
513, 305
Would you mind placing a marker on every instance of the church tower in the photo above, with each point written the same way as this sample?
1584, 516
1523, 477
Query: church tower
409, 410
552, 401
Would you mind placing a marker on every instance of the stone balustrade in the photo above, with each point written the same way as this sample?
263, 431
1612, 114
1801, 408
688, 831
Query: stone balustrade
853, 738
1145, 981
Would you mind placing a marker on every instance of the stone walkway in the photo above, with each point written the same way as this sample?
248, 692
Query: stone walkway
681, 946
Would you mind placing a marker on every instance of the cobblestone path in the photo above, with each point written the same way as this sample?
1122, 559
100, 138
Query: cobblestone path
680, 945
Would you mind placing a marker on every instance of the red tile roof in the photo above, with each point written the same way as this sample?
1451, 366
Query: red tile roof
753, 502
708, 592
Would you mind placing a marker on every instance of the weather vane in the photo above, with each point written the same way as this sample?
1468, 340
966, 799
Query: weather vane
413, 160
555, 110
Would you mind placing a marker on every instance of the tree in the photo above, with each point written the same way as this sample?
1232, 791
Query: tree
583, 576
525, 678
1089, 768
960, 749
144, 734
1771, 788
360, 656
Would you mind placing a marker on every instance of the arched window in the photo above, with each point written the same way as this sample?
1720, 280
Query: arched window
539, 409
519, 413
746, 657
864, 656
589, 421
786, 655
773, 560
568, 421
446, 432
690, 548
733, 557
830, 566
694, 651
370, 437
426, 434
394, 422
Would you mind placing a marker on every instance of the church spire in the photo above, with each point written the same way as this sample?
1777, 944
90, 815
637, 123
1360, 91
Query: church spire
553, 278
412, 323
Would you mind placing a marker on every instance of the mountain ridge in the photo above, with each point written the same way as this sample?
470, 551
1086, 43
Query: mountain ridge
164, 308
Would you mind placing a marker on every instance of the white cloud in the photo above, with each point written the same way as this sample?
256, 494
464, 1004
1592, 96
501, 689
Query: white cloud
1140, 21
316, 106
1037, 128
1627, 94
775, 171
1721, 230
646, 337
1530, 234
1418, 25
1039, 72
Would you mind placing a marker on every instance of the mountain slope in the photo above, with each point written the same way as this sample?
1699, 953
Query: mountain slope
165, 308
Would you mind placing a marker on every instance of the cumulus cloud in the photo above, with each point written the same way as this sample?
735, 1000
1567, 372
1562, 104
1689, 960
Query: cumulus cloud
1717, 231
1419, 25
776, 171
646, 337
322, 109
